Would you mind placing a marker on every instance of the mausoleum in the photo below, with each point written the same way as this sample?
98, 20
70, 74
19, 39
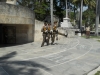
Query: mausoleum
16, 24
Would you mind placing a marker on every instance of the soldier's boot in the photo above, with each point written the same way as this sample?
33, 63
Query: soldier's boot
47, 43
48, 40
42, 45
56, 38
52, 43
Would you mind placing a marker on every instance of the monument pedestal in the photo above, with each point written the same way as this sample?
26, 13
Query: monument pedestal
11, 2
67, 32
66, 23
79, 34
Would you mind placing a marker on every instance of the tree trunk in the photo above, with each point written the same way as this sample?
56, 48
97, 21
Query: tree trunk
97, 17
74, 15
81, 9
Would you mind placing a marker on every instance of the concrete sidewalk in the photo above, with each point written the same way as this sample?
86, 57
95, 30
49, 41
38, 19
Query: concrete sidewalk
69, 56
34, 49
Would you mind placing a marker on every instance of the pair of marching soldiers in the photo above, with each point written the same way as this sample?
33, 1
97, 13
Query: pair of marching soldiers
49, 32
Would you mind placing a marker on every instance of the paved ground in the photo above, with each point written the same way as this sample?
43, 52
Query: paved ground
69, 56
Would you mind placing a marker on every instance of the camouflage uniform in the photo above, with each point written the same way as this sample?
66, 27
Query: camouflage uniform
44, 34
49, 32
55, 33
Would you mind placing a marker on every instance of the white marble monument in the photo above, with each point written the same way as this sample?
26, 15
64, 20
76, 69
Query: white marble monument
11, 2
66, 20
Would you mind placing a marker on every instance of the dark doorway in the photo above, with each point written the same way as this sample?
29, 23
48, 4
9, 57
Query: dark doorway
3, 0
1, 34
9, 34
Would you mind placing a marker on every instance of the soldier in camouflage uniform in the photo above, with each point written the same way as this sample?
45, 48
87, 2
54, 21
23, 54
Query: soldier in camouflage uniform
44, 34
55, 33
49, 32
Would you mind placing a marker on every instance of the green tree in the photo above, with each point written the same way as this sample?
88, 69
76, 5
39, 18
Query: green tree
59, 8
41, 10
89, 17
88, 3
40, 7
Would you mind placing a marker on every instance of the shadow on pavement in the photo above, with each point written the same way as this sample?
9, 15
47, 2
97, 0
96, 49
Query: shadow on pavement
7, 56
16, 44
21, 67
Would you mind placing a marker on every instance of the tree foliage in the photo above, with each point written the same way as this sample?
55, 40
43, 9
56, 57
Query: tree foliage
42, 8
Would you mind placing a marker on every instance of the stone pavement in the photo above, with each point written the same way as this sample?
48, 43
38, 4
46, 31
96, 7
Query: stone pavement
69, 56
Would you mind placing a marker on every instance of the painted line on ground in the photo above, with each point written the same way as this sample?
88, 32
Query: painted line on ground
54, 53
74, 58
43, 49
62, 50
5, 71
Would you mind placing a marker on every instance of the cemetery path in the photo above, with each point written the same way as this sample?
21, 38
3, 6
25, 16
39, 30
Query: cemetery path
69, 56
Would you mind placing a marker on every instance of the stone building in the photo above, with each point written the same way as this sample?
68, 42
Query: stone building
16, 24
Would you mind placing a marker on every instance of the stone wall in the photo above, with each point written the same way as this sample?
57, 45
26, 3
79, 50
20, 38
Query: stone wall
12, 14
38, 33
24, 33
20, 17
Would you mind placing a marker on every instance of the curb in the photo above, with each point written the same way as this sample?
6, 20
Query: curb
93, 72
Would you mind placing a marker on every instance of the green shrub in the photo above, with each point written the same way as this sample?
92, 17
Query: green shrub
98, 73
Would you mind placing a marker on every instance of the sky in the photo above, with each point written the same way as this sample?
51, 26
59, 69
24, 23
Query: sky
85, 8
